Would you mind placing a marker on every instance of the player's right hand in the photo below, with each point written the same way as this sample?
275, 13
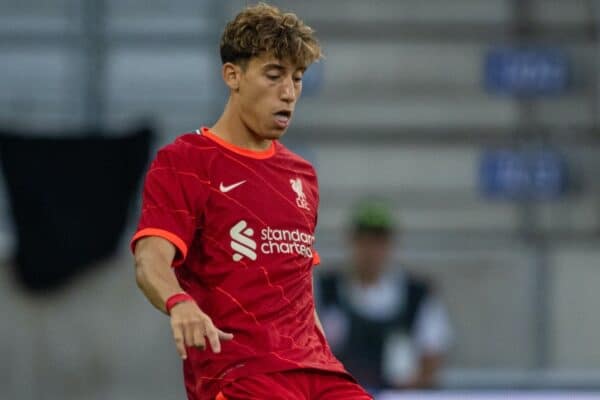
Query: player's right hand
191, 326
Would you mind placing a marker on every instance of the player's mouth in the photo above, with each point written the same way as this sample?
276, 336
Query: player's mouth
282, 118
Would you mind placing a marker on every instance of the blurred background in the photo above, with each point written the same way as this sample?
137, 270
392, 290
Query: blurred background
477, 120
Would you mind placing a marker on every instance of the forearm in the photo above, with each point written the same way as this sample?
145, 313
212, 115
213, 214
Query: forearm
154, 275
317, 320
318, 323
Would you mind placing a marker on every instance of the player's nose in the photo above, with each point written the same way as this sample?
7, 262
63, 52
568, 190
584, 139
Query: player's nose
288, 92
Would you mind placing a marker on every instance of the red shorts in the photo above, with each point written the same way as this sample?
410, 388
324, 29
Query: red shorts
294, 385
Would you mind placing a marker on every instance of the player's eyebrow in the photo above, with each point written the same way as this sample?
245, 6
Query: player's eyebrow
282, 68
274, 66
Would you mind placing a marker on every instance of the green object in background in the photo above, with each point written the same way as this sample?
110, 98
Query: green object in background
373, 216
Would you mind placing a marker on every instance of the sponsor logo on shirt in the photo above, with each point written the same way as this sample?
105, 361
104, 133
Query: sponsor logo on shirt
241, 241
284, 241
272, 241
301, 197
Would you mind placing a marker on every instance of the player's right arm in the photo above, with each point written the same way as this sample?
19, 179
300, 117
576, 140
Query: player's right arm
175, 192
155, 277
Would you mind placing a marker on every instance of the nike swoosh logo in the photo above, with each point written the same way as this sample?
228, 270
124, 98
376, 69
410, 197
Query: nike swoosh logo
226, 189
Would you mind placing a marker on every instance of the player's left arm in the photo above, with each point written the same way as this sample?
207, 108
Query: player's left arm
317, 320
316, 258
318, 323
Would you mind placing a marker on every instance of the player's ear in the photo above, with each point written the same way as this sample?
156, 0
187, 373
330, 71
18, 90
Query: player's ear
231, 75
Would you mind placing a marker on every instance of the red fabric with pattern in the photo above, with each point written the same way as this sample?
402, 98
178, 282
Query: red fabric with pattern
243, 223
294, 385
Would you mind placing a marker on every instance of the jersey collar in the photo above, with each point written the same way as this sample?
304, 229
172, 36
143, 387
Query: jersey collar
257, 154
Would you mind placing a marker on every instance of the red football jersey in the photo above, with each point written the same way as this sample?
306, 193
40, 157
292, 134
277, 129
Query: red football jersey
243, 223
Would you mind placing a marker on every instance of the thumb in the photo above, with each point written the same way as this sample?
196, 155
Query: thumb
224, 335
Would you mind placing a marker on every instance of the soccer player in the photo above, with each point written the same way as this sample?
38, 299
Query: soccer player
225, 239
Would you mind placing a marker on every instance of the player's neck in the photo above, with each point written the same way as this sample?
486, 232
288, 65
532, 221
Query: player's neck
232, 129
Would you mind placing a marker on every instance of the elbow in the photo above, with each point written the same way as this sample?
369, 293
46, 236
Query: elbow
139, 277
140, 271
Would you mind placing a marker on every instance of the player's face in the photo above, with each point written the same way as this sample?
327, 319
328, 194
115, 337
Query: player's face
268, 91
371, 252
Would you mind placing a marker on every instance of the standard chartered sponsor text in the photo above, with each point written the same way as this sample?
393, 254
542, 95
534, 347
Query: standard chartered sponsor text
286, 241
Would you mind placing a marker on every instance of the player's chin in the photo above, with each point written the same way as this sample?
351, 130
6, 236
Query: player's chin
275, 133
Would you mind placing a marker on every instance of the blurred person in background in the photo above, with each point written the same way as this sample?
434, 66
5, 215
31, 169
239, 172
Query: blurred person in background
386, 325
225, 240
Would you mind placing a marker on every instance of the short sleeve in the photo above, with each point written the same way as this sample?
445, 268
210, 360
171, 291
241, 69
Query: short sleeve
316, 258
433, 331
173, 200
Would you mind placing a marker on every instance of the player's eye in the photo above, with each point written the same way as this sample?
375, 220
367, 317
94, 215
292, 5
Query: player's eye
298, 79
272, 77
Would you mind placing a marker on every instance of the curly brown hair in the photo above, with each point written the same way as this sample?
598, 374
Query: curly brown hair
263, 28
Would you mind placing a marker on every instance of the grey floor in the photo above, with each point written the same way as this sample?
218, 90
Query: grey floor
99, 339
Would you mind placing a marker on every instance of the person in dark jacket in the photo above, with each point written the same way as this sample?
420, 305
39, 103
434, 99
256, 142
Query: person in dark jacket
386, 325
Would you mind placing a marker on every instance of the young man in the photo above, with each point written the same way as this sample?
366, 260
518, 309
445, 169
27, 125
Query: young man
225, 240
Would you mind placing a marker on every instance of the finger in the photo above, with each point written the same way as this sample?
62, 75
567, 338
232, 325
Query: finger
179, 341
224, 335
199, 337
213, 338
188, 334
